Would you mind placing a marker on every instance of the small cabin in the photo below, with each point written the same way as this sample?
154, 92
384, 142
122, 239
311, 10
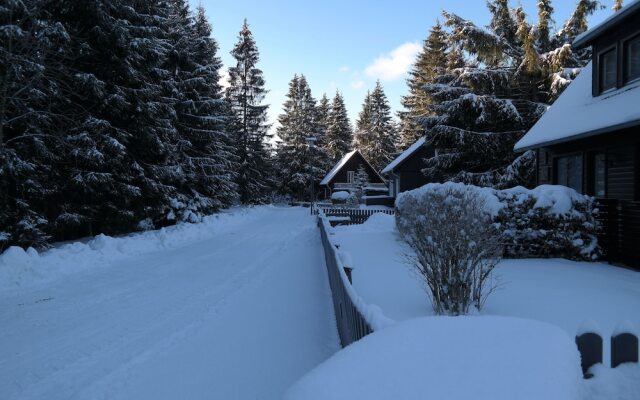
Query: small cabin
405, 171
342, 176
589, 139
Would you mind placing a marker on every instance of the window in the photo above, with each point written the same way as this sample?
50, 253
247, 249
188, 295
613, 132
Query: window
632, 59
569, 172
608, 73
351, 176
599, 175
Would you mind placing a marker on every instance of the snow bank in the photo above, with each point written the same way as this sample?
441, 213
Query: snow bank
341, 195
451, 358
25, 268
548, 221
620, 383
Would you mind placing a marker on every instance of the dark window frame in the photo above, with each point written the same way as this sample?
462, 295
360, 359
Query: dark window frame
590, 178
556, 159
625, 60
600, 70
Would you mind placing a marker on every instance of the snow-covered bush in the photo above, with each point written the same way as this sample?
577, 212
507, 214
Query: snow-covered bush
548, 221
340, 197
455, 246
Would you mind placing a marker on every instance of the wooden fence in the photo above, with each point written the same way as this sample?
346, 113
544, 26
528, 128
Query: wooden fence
352, 325
620, 233
350, 216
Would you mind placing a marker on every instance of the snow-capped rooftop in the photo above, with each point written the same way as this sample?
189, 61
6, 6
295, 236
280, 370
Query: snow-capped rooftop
587, 37
405, 154
578, 114
336, 168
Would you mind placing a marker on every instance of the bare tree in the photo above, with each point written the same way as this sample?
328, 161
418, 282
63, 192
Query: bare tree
455, 248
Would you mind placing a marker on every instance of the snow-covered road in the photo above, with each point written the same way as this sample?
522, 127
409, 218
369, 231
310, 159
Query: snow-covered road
239, 315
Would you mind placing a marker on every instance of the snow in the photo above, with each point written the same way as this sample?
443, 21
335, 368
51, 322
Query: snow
340, 195
577, 112
327, 179
621, 383
236, 307
400, 159
561, 292
451, 358
625, 326
574, 296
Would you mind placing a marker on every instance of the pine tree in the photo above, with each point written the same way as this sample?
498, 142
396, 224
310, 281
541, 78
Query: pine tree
376, 134
205, 181
246, 94
361, 181
339, 135
430, 63
297, 164
33, 51
481, 110
545, 22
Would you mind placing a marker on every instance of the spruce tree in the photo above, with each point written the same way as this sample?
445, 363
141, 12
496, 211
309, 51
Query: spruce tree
376, 134
246, 93
339, 136
207, 166
297, 164
430, 63
482, 110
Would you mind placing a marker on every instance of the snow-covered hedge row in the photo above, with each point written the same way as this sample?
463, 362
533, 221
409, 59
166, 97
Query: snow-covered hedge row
548, 221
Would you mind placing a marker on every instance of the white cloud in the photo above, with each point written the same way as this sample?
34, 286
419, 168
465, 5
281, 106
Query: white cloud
344, 68
358, 84
224, 79
395, 64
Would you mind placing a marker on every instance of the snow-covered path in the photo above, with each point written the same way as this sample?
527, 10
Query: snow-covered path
240, 315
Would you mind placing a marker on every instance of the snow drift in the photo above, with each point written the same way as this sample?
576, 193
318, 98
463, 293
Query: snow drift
20, 267
477, 358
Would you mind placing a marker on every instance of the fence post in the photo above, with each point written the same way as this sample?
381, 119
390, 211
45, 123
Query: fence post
624, 345
590, 347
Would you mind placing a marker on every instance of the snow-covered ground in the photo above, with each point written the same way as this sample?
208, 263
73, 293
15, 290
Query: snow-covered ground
462, 358
560, 292
237, 307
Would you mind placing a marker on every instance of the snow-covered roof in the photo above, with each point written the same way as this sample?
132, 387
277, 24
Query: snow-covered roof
577, 114
587, 37
337, 167
405, 154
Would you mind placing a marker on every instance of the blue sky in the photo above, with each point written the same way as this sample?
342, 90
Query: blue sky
345, 44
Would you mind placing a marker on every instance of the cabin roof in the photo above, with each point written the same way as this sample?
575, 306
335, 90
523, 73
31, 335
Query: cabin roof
577, 114
588, 37
340, 164
403, 157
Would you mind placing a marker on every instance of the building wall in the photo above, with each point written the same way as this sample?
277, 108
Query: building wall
410, 171
622, 152
352, 165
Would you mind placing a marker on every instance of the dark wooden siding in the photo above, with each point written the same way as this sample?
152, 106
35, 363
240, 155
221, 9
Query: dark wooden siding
352, 165
410, 171
622, 151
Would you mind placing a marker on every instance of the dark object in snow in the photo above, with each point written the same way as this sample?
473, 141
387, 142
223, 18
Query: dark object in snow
590, 348
624, 349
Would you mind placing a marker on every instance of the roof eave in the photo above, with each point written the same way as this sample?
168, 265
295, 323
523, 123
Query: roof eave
578, 136
588, 37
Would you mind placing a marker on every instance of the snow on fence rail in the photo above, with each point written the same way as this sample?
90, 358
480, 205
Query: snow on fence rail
355, 318
349, 216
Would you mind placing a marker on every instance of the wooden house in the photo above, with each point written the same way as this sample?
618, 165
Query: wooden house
589, 139
405, 171
342, 176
